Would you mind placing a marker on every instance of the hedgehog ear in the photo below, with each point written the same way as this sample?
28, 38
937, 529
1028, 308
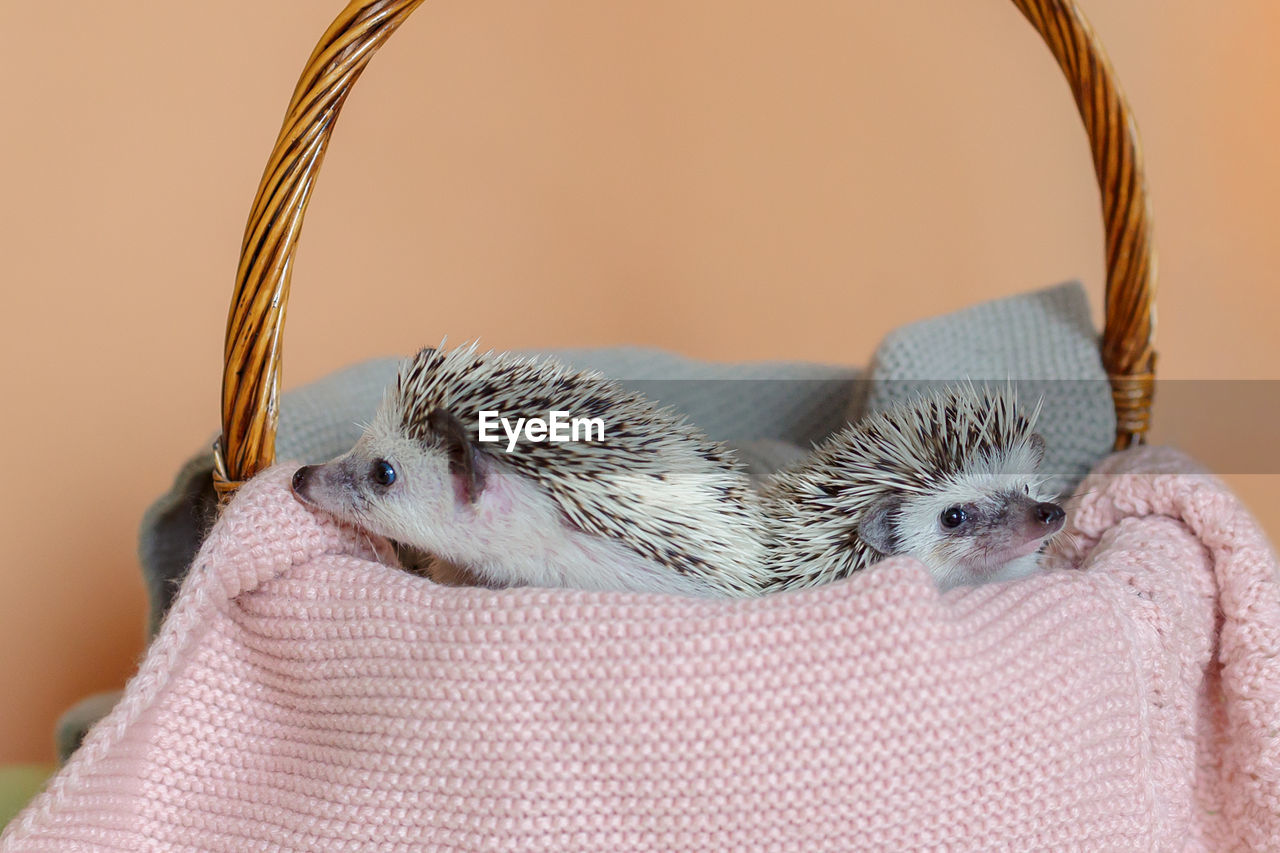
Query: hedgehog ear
1036, 440
463, 464
876, 526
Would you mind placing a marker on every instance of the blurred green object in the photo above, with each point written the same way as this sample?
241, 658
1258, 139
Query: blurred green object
18, 784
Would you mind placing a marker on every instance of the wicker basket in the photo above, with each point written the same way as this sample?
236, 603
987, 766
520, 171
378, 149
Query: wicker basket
250, 384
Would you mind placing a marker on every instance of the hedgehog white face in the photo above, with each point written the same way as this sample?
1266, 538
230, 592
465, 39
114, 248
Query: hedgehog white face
986, 523
444, 498
386, 484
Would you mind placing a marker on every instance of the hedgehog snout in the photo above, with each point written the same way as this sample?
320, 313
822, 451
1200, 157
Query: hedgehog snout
301, 480
331, 486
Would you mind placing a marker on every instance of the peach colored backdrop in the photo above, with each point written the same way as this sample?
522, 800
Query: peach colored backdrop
732, 180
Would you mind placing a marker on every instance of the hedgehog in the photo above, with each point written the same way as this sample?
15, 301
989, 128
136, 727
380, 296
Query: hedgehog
649, 505
951, 478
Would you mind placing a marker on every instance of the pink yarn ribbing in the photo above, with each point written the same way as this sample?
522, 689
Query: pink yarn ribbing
304, 697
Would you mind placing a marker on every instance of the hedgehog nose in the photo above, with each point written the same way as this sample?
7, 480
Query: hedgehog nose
1048, 514
300, 478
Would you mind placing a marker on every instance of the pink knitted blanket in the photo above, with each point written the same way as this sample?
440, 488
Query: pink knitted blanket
302, 696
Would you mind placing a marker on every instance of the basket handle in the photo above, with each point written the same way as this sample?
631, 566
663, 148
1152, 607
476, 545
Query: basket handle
251, 376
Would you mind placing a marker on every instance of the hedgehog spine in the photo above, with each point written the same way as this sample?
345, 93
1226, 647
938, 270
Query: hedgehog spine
950, 478
656, 505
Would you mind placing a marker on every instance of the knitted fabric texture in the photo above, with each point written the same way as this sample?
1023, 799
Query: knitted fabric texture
303, 696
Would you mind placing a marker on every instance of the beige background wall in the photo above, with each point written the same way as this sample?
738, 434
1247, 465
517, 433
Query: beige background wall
732, 180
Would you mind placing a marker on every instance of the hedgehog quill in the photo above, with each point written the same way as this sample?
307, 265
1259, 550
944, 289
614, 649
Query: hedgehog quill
951, 479
653, 505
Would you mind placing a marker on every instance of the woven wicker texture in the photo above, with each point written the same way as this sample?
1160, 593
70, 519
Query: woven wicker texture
1128, 338
254, 327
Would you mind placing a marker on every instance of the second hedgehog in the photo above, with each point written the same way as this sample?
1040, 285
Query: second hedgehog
653, 506
951, 479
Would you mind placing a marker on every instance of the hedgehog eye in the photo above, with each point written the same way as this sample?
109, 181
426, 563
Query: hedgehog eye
382, 472
954, 516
